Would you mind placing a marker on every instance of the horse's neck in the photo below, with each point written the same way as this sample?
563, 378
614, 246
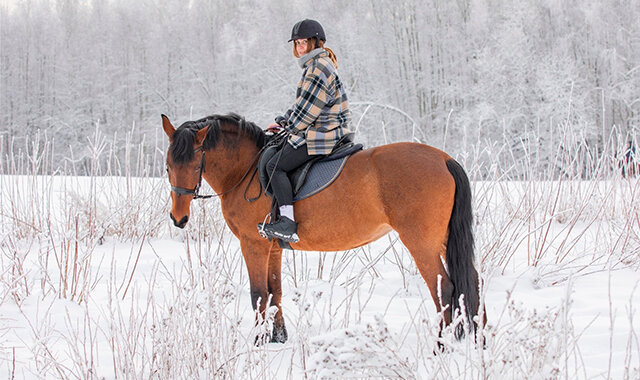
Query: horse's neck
225, 166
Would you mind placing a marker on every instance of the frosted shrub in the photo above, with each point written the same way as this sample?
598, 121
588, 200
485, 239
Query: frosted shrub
192, 334
530, 342
13, 282
361, 351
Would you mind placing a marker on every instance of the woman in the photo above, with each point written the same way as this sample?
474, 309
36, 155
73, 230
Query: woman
319, 117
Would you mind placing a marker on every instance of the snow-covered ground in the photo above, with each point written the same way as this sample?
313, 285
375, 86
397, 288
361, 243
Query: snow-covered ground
96, 283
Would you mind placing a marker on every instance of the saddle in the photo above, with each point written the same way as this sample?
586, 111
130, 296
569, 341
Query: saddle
316, 174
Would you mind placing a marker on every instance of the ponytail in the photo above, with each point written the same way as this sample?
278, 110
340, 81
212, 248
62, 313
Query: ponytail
332, 55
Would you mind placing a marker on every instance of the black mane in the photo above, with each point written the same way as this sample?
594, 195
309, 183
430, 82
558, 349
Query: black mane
181, 147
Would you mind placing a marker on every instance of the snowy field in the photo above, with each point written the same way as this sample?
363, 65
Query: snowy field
96, 283
537, 100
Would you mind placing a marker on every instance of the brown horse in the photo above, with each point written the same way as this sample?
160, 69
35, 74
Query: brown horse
414, 189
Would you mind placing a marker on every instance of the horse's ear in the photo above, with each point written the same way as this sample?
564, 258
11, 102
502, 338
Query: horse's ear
168, 127
200, 136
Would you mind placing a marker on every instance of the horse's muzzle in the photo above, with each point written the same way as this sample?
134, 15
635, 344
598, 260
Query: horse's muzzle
182, 222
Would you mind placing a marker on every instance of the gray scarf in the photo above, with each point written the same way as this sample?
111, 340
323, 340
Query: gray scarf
302, 61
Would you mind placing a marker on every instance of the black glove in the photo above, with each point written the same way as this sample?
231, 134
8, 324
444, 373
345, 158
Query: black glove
281, 121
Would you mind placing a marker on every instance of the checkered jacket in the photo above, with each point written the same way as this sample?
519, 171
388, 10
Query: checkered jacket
320, 115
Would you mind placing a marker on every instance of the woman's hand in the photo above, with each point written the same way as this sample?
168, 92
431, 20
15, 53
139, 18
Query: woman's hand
274, 128
280, 123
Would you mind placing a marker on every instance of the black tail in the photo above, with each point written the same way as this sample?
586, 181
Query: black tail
460, 255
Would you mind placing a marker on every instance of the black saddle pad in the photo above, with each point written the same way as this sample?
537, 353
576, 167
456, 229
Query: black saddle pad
312, 177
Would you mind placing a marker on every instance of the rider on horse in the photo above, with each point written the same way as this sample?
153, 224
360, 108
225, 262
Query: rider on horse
318, 119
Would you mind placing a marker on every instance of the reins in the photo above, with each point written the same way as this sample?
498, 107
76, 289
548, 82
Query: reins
274, 140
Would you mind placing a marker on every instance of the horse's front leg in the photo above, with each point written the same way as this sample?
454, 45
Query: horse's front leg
256, 257
279, 334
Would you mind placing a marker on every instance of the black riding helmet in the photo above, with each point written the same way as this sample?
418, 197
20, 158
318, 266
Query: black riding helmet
307, 29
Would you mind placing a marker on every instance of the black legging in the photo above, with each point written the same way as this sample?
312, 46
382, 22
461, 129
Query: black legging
284, 161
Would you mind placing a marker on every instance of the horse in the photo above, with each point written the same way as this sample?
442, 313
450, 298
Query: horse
415, 189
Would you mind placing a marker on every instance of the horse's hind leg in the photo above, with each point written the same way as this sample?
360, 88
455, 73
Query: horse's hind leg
427, 247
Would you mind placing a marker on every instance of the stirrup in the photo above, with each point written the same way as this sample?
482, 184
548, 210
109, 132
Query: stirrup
261, 230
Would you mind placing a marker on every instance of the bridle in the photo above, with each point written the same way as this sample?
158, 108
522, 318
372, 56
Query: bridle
194, 192
184, 191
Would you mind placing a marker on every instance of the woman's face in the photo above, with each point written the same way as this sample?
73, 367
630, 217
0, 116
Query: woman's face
302, 46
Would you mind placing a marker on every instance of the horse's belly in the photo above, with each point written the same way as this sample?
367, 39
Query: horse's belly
346, 237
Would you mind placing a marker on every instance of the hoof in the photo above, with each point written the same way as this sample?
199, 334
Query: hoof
279, 335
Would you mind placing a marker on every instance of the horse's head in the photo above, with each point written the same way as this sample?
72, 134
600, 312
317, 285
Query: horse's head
184, 168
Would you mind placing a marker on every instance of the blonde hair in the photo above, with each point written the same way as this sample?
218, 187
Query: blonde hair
318, 44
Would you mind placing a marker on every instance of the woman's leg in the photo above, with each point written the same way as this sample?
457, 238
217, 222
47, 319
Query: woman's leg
282, 163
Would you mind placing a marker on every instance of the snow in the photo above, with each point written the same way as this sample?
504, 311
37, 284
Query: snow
166, 303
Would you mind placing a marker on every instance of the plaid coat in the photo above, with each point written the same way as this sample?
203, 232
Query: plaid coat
320, 115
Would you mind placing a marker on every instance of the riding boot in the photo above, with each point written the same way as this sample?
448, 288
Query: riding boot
284, 229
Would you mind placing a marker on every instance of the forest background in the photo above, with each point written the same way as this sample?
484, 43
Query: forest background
484, 80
